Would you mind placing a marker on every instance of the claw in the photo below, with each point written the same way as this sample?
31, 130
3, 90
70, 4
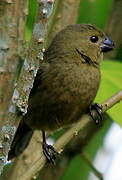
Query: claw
49, 153
98, 109
48, 150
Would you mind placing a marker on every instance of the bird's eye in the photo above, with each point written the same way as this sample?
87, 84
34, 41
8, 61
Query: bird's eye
94, 39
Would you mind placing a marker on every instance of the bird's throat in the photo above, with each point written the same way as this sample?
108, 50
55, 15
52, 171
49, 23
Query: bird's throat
86, 59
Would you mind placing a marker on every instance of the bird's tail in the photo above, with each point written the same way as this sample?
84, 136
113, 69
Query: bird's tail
20, 141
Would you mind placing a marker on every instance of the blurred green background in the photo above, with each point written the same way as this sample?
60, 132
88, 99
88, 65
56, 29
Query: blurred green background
95, 12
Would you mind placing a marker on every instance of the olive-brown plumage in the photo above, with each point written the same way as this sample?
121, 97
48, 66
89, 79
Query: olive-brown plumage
68, 79
67, 84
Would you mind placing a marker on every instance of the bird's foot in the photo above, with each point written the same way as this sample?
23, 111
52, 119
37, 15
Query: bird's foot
97, 107
49, 151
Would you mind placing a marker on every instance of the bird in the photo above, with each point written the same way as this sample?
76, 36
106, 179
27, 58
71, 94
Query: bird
65, 86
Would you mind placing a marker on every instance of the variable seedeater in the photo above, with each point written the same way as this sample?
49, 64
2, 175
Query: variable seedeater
66, 84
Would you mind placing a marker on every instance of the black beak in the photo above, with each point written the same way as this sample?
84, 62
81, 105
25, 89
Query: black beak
107, 45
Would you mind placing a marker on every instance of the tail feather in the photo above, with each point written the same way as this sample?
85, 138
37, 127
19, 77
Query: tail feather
21, 140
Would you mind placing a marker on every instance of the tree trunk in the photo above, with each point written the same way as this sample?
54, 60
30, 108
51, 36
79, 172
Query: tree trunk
114, 29
12, 21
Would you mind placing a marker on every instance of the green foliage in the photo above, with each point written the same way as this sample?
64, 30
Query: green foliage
95, 12
111, 83
32, 9
119, 53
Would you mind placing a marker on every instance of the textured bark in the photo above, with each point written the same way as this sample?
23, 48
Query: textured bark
12, 19
18, 65
32, 59
66, 13
22, 163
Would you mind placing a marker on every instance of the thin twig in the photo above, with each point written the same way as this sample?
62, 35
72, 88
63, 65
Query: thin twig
94, 170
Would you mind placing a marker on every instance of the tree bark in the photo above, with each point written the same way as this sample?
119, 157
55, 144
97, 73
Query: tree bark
114, 29
65, 13
19, 65
12, 20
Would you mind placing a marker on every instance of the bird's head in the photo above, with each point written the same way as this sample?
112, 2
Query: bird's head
83, 39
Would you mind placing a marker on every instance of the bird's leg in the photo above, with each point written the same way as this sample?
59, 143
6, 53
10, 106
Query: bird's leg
98, 109
48, 150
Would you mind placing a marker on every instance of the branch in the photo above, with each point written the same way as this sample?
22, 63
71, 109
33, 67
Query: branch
74, 148
20, 65
12, 19
98, 174
66, 137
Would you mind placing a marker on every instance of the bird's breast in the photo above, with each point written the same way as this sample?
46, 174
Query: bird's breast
78, 84
72, 90
65, 94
